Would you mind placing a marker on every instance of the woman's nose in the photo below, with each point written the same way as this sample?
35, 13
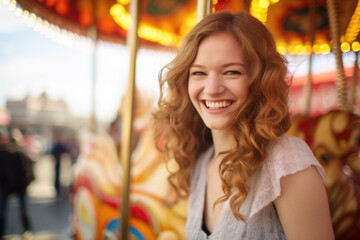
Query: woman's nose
213, 84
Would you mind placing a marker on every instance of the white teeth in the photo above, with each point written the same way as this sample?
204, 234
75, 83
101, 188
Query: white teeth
217, 105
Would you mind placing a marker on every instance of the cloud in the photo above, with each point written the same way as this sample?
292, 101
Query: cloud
24, 67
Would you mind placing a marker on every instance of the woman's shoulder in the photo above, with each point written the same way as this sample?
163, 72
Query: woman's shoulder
288, 143
287, 156
290, 154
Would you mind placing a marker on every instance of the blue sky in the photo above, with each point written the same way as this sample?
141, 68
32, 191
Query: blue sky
31, 63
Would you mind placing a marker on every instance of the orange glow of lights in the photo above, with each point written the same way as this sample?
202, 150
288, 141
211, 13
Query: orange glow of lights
62, 8
85, 18
281, 49
156, 35
299, 49
307, 49
325, 48
124, 2
121, 16
355, 46
50, 3
291, 49
259, 9
316, 48
345, 47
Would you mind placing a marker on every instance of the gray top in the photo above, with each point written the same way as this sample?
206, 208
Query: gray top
262, 222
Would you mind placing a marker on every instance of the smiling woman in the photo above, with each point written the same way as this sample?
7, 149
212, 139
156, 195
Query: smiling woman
222, 117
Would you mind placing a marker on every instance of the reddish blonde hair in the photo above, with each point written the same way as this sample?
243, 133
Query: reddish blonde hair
258, 122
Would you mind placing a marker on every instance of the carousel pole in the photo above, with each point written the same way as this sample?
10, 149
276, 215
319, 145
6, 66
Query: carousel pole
204, 7
247, 5
333, 7
127, 125
93, 34
354, 81
308, 86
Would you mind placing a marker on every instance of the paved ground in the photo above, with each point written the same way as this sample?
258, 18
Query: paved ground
50, 217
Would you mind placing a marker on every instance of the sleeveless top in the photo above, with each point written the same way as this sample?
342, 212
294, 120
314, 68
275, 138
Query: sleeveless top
289, 156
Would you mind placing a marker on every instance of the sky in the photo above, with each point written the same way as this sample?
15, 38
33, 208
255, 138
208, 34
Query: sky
31, 63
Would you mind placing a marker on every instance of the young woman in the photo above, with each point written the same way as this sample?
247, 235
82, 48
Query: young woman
222, 117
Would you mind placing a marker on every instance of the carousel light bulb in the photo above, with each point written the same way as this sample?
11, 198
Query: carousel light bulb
31, 20
6, 2
117, 10
167, 39
316, 48
160, 35
9, 3
299, 49
264, 3
190, 21
11, 6
355, 46
25, 16
124, 2
254, 4
38, 24
325, 48
307, 48
46, 23
345, 47
152, 34
259, 9
291, 49
126, 21
18, 12
281, 49
142, 31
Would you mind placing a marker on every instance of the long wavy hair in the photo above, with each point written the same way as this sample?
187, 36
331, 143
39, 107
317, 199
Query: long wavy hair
259, 121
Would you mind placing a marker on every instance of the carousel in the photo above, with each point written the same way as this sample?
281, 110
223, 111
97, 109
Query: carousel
120, 188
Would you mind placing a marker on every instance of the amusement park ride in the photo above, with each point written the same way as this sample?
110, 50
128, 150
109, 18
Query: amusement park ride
133, 179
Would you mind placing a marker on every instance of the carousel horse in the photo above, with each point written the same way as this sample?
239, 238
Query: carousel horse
98, 184
334, 139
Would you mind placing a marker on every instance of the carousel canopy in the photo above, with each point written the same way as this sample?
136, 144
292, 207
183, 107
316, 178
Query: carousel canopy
165, 22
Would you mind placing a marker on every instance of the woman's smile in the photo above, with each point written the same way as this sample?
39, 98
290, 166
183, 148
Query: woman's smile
214, 105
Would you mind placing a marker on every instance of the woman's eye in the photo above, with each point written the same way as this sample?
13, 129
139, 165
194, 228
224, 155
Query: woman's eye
197, 73
233, 73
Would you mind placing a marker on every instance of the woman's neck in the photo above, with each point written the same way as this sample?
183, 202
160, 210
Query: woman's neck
223, 141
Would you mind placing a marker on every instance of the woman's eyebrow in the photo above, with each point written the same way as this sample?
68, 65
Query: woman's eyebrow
224, 65
233, 63
197, 65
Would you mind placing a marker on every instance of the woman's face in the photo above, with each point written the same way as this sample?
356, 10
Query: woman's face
218, 80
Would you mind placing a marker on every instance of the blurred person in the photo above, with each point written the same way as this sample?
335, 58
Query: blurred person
73, 148
57, 150
222, 116
16, 174
18, 137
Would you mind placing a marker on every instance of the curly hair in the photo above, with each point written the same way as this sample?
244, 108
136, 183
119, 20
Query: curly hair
259, 121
